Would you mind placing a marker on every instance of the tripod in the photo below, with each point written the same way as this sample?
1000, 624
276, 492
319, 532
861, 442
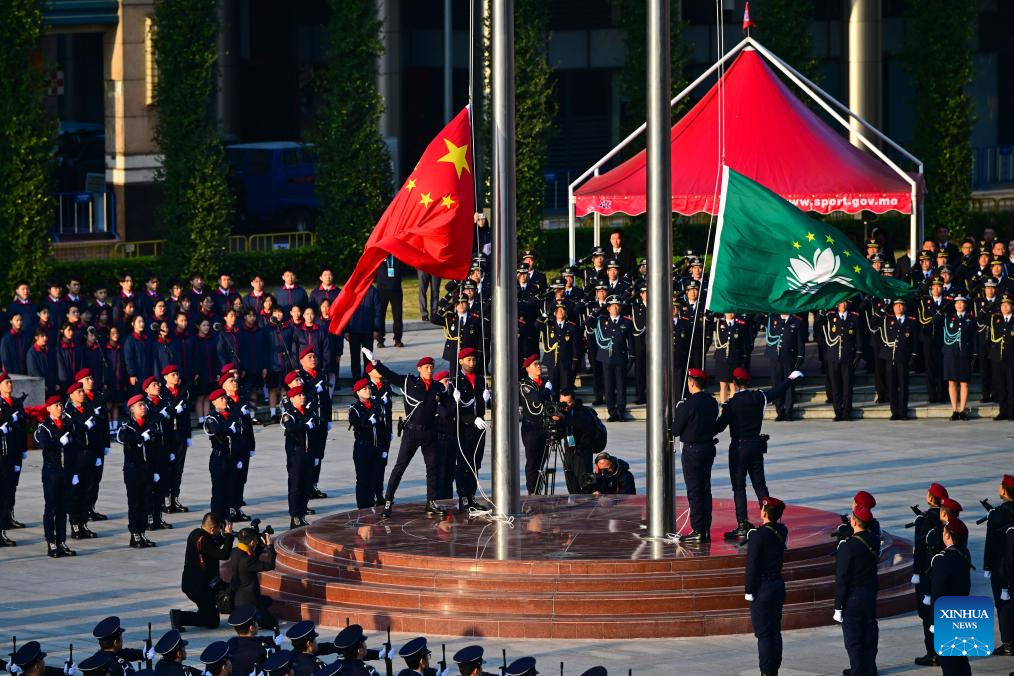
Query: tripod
546, 484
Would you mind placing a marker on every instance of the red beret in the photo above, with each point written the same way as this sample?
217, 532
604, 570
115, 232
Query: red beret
370, 367
531, 359
467, 352
440, 375
772, 502
360, 384
73, 387
951, 505
148, 381
937, 491
865, 499
4, 376
298, 389
697, 373
424, 361
957, 527
1007, 481
216, 394
82, 374
305, 351
741, 373
224, 377
290, 376
53, 400
171, 368
136, 399
229, 367
863, 513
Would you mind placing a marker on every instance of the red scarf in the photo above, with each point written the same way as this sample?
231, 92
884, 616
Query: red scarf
367, 403
427, 383
471, 379
58, 422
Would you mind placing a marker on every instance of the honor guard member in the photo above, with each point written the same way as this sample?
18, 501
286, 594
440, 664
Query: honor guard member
597, 272
951, 575
12, 454
873, 311
921, 276
841, 338
248, 650
694, 424
523, 666
560, 338
417, 658
178, 434
925, 523
855, 593
462, 329
96, 665
351, 646
785, 351
639, 324
279, 664
730, 336
54, 437
690, 336
173, 650
220, 426
216, 659
243, 413
536, 277
298, 424
137, 438
303, 636
743, 414
614, 346
931, 339
471, 398
535, 392
984, 308
366, 420
79, 420
109, 633
764, 586
615, 286
594, 308
961, 335
528, 311
469, 660
1001, 356
571, 292
97, 443
30, 660
318, 400
900, 337
381, 391
995, 567
421, 395
159, 419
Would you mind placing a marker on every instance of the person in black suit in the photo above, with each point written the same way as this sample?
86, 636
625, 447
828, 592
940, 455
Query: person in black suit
614, 347
388, 279
623, 255
953, 255
855, 592
254, 553
207, 546
951, 575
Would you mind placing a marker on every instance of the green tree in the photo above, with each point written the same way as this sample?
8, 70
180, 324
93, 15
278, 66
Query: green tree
633, 78
196, 208
938, 56
354, 174
783, 26
535, 106
26, 138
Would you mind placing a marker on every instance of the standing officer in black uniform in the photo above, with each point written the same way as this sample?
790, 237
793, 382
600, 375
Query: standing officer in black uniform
298, 423
764, 586
318, 400
694, 423
1000, 519
137, 437
53, 436
786, 346
109, 633
594, 308
900, 337
12, 448
462, 329
381, 391
97, 442
951, 575
1001, 356
931, 338
220, 426
744, 415
731, 342
534, 394
961, 340
417, 658
178, 434
422, 395
690, 336
614, 345
925, 523
471, 398
560, 338
841, 340
159, 420
639, 323
855, 593
366, 420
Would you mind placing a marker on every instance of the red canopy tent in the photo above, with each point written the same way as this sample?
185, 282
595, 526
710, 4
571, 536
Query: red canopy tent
771, 137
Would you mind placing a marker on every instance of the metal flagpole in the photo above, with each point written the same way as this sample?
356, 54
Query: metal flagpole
506, 437
661, 480
476, 92
448, 62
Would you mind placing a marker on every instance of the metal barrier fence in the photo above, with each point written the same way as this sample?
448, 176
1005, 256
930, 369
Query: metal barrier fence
992, 166
271, 241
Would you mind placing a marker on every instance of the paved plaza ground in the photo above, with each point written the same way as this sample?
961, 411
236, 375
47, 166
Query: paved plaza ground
820, 464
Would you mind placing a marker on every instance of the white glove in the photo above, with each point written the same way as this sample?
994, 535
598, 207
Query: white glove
309, 424
320, 387
156, 478
98, 410
239, 464
232, 428
549, 386
65, 439
931, 629
480, 423
367, 353
986, 574
74, 480
795, 374
278, 640
13, 668
916, 578
105, 451
486, 396
253, 453
457, 396
24, 454
150, 653
373, 420
5, 428
17, 468
1004, 595
70, 669
383, 398
837, 616
382, 653
316, 461
98, 462
329, 424
383, 456
190, 442
14, 418
164, 413
748, 597
146, 435
172, 457
179, 407
926, 600
90, 423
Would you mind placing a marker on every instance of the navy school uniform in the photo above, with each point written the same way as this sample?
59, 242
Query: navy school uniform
204, 357
42, 364
286, 297
280, 359
227, 347
68, 362
138, 357
13, 347
960, 343
115, 372
298, 425
366, 420
137, 470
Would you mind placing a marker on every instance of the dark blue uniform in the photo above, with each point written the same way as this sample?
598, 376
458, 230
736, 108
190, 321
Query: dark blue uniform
855, 595
534, 396
381, 392
841, 340
224, 435
298, 426
614, 345
951, 575
926, 523
247, 654
961, 338
785, 351
731, 346
901, 337
932, 342
12, 454
765, 555
318, 400
993, 561
367, 422
694, 423
58, 466
470, 405
178, 440
137, 471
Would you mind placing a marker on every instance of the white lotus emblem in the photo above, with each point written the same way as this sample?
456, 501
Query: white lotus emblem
807, 277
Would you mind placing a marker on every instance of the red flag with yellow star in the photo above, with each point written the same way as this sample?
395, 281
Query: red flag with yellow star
428, 224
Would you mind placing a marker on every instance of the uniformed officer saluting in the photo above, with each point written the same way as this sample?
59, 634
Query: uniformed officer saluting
764, 586
694, 423
54, 437
471, 397
421, 394
951, 575
785, 349
855, 593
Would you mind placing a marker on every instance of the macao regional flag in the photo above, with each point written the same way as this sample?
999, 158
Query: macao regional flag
428, 224
771, 257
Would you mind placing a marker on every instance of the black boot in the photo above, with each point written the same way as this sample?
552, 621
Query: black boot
6, 541
75, 532
65, 550
145, 542
175, 619
178, 507
239, 515
388, 508
740, 532
52, 551
317, 494
927, 660
466, 503
95, 516
311, 510
87, 532
135, 542
696, 536
433, 509
13, 523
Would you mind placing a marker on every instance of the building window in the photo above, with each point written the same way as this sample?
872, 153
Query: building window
150, 67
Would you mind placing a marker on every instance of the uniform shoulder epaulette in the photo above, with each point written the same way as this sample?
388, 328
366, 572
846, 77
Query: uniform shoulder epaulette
853, 313
572, 323
909, 317
740, 321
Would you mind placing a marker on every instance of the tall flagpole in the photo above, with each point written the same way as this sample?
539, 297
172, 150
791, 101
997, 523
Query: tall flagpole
506, 485
661, 489
476, 92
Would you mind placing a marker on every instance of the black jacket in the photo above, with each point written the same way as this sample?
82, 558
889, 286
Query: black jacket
857, 560
695, 419
201, 561
743, 414
246, 583
765, 554
951, 573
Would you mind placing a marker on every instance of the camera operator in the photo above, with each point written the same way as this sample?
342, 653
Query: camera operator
583, 435
535, 394
206, 547
253, 554
612, 477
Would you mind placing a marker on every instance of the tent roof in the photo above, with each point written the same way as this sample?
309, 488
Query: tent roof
771, 137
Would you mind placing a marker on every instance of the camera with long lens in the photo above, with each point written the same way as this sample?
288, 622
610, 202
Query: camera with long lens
256, 525
600, 482
551, 409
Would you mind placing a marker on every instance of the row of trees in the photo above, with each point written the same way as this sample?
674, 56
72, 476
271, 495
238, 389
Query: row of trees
354, 172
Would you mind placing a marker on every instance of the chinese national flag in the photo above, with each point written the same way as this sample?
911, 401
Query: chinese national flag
747, 21
428, 224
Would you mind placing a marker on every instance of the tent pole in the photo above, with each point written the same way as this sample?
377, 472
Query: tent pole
571, 225
597, 223
913, 229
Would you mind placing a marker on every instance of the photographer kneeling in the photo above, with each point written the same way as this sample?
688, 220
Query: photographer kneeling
583, 436
612, 477
253, 554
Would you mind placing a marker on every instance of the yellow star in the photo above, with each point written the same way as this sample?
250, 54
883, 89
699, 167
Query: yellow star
447, 201
410, 184
846, 253
456, 155
830, 239
795, 245
809, 237
856, 269
426, 199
